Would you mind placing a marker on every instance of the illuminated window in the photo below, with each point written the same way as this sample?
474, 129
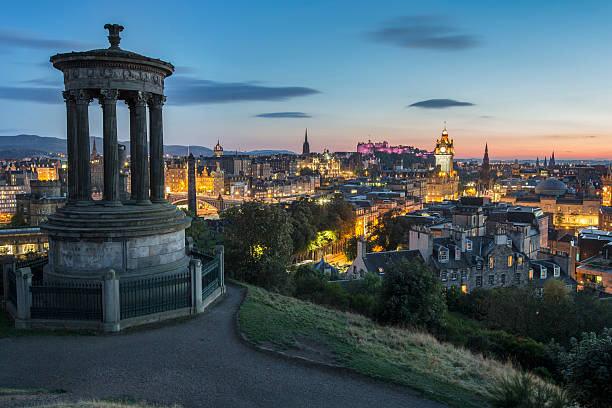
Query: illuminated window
491, 262
520, 260
464, 288
543, 273
443, 255
530, 274
509, 261
468, 245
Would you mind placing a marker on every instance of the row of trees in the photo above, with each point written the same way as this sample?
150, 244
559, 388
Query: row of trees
555, 313
260, 238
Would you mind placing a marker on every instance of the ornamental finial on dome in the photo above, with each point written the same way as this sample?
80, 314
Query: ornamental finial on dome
113, 34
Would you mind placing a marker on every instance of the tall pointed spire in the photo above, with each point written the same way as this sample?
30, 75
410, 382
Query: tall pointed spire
484, 178
551, 162
306, 145
94, 151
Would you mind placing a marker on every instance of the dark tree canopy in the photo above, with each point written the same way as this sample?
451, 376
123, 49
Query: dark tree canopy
258, 243
412, 296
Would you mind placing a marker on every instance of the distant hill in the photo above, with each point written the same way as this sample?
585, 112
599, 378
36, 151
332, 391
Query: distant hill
269, 152
19, 146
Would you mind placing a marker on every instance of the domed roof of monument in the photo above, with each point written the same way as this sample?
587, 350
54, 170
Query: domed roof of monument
551, 186
109, 55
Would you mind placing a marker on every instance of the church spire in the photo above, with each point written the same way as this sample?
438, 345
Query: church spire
306, 145
94, 151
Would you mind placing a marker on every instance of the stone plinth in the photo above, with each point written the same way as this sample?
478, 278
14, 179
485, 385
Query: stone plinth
133, 240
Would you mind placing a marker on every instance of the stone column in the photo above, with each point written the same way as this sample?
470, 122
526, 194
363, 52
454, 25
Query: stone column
138, 148
108, 100
111, 307
71, 143
157, 148
83, 185
192, 204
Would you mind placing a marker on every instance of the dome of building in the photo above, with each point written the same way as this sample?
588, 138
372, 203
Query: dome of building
551, 186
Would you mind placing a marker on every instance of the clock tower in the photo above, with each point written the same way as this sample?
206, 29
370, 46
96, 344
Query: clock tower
444, 153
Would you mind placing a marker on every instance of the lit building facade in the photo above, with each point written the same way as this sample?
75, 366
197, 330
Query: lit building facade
325, 164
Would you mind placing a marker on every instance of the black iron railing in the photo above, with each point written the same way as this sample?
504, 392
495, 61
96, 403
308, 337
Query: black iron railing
33, 263
12, 288
154, 295
66, 300
210, 278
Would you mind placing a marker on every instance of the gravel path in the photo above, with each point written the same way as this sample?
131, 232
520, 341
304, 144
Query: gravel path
196, 363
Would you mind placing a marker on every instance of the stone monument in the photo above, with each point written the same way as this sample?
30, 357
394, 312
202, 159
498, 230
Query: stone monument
137, 236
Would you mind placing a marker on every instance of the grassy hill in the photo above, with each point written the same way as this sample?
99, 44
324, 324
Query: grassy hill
440, 371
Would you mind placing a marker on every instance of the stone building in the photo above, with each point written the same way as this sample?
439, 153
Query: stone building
443, 182
596, 271
478, 262
566, 211
218, 150
43, 200
377, 262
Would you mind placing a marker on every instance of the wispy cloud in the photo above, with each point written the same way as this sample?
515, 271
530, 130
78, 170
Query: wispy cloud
192, 91
41, 95
439, 104
427, 32
274, 115
567, 136
11, 38
44, 81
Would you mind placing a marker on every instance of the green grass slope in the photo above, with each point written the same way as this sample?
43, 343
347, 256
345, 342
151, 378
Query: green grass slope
440, 371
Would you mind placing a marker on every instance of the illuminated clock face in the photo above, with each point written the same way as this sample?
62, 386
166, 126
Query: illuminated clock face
443, 149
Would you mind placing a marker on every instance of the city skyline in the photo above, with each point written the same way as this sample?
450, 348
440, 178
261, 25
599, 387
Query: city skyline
349, 72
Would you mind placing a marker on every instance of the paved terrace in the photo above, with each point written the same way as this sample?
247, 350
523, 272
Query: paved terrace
196, 363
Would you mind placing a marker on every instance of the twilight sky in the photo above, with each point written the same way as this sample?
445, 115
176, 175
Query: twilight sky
527, 77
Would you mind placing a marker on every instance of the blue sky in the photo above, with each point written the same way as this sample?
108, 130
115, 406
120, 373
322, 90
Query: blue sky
526, 77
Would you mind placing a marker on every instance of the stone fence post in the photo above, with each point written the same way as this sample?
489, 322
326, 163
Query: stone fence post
111, 305
195, 269
8, 264
23, 281
220, 254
